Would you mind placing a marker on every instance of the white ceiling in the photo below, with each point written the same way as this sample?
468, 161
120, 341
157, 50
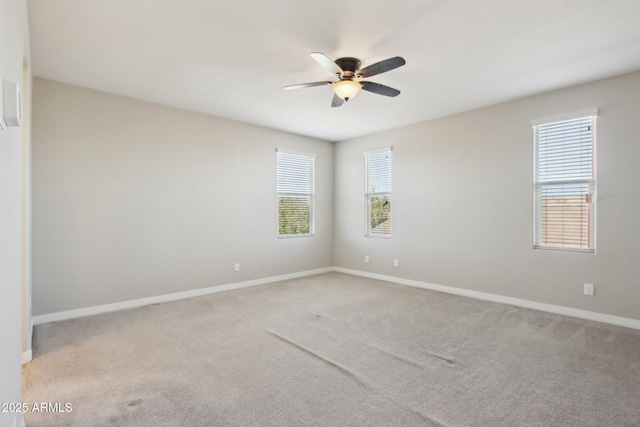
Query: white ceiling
233, 58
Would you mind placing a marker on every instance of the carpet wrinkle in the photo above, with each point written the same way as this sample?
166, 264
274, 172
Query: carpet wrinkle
389, 353
211, 361
366, 325
426, 420
331, 363
358, 337
398, 357
134, 403
437, 356
324, 316
409, 361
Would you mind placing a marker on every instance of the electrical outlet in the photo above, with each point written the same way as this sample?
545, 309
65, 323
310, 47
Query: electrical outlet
236, 266
366, 259
588, 289
395, 263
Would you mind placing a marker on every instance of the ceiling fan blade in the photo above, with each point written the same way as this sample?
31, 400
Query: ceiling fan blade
302, 85
336, 101
379, 89
382, 66
326, 62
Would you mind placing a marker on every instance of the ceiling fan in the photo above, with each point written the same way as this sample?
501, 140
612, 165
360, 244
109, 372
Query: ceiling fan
348, 70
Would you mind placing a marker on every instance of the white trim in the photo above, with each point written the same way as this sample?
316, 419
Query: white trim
19, 420
592, 112
539, 185
295, 153
311, 195
368, 194
295, 236
565, 249
108, 308
550, 308
378, 150
27, 356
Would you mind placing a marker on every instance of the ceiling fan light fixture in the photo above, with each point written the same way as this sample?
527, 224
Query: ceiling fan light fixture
347, 69
346, 89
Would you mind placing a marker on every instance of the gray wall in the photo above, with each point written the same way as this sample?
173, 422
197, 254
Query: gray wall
133, 199
463, 204
14, 52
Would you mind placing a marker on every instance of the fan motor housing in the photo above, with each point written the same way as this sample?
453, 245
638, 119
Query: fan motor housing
348, 65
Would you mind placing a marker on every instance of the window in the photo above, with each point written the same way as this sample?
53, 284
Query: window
378, 193
295, 194
564, 184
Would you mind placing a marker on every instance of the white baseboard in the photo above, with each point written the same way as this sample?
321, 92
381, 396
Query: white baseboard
107, 308
27, 356
550, 308
19, 420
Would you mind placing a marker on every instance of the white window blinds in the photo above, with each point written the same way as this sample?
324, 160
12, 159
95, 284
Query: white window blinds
564, 184
295, 173
378, 193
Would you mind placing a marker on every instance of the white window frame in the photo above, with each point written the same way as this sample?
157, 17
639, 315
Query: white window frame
369, 194
310, 194
540, 184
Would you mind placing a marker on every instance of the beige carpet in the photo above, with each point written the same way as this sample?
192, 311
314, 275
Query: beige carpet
334, 350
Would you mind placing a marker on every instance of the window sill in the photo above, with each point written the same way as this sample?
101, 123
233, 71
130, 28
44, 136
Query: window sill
294, 236
565, 249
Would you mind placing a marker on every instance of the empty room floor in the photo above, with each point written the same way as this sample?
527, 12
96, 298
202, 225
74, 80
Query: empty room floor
332, 350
